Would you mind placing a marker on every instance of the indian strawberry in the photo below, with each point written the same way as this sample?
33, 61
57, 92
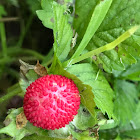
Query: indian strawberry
51, 102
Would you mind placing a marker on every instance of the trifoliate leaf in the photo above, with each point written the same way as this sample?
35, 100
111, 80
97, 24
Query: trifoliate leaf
91, 75
125, 101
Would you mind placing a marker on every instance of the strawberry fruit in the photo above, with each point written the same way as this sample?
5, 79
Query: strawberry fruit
51, 102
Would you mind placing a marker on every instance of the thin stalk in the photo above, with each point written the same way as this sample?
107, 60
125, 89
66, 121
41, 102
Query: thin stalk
33, 53
9, 19
5, 60
3, 38
12, 92
107, 47
25, 30
20, 51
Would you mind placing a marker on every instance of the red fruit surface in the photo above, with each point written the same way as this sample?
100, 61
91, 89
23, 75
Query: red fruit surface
51, 102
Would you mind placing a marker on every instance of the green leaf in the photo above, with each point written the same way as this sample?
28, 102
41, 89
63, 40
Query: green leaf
60, 133
83, 120
18, 134
115, 23
96, 19
46, 15
132, 128
83, 15
85, 135
132, 72
107, 124
100, 50
125, 101
87, 97
62, 32
47, 5
46, 18
91, 75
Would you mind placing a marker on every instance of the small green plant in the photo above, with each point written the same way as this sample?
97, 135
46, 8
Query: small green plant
97, 45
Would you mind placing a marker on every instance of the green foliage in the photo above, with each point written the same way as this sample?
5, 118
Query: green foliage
36, 137
132, 72
83, 120
125, 101
102, 60
62, 32
46, 15
97, 17
132, 128
114, 24
12, 130
91, 75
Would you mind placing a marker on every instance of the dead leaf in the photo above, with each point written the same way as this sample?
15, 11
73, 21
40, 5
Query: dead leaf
25, 67
40, 70
95, 131
70, 137
21, 120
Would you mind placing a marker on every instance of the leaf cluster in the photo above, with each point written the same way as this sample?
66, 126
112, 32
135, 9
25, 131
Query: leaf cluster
96, 44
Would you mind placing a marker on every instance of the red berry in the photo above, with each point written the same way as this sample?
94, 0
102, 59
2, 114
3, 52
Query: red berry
51, 102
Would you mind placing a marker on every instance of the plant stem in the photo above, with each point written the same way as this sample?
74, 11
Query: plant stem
107, 47
5, 60
97, 17
12, 92
8, 19
33, 53
14, 52
3, 38
25, 30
